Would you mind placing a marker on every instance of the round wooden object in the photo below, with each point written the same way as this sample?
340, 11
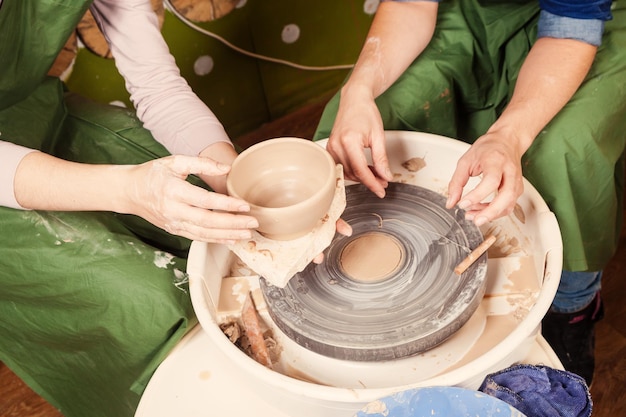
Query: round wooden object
204, 10
65, 58
94, 40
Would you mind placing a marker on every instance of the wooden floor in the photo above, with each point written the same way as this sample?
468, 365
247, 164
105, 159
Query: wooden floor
608, 392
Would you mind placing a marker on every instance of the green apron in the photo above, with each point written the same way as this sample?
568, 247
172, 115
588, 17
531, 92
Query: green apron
465, 78
90, 303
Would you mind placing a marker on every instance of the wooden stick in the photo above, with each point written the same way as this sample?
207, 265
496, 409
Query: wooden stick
474, 255
252, 328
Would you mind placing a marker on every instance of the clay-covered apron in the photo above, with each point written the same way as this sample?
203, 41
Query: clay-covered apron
463, 81
90, 303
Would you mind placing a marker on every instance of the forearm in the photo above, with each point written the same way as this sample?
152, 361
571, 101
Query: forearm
552, 72
399, 33
43, 182
156, 190
165, 102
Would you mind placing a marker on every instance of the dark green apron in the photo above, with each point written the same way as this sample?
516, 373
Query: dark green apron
465, 78
90, 303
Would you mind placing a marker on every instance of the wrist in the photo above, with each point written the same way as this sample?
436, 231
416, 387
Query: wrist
519, 138
122, 189
357, 91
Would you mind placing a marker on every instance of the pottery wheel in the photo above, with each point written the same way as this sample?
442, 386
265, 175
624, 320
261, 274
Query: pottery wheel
389, 290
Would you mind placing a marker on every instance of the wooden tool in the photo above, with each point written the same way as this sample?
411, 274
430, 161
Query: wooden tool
252, 329
474, 255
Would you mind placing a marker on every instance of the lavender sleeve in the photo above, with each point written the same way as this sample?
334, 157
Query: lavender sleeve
10, 157
164, 101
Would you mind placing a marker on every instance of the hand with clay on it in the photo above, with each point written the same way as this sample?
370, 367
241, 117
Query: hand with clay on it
156, 190
385, 55
358, 126
498, 160
552, 72
161, 195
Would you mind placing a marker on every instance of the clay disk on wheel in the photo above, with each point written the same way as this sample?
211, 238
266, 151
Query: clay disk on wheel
389, 290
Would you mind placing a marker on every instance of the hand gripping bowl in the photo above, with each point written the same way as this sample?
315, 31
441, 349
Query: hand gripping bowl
523, 272
288, 182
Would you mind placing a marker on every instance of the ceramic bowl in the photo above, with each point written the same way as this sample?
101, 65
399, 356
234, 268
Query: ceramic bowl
288, 182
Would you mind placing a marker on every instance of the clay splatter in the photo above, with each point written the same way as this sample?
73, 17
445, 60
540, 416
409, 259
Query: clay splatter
414, 164
519, 213
163, 259
181, 280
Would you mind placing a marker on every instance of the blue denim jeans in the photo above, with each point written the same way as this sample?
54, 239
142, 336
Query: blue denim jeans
576, 290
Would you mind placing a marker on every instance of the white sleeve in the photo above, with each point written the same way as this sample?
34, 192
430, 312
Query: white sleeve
10, 157
164, 101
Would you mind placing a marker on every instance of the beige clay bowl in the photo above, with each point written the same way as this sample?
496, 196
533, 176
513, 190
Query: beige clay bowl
288, 182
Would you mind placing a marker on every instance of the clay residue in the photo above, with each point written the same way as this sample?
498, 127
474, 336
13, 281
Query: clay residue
237, 335
232, 330
522, 305
519, 213
404, 179
163, 259
239, 268
371, 257
376, 407
251, 246
524, 279
504, 245
233, 293
414, 164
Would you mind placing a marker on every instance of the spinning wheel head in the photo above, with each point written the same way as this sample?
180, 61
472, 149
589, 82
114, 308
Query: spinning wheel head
389, 290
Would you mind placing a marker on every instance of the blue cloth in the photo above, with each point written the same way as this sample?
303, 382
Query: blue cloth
582, 20
408, 1
540, 391
577, 9
576, 290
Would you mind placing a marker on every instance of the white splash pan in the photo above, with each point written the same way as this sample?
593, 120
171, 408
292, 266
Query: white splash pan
523, 274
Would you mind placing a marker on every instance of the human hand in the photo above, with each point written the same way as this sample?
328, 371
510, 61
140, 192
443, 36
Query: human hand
342, 228
358, 125
223, 152
498, 159
158, 192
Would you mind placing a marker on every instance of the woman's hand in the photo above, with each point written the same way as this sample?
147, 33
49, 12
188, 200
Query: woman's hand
386, 54
358, 126
155, 190
550, 75
159, 193
498, 160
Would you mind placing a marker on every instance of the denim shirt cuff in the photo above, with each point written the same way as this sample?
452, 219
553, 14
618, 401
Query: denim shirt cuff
585, 30
410, 1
